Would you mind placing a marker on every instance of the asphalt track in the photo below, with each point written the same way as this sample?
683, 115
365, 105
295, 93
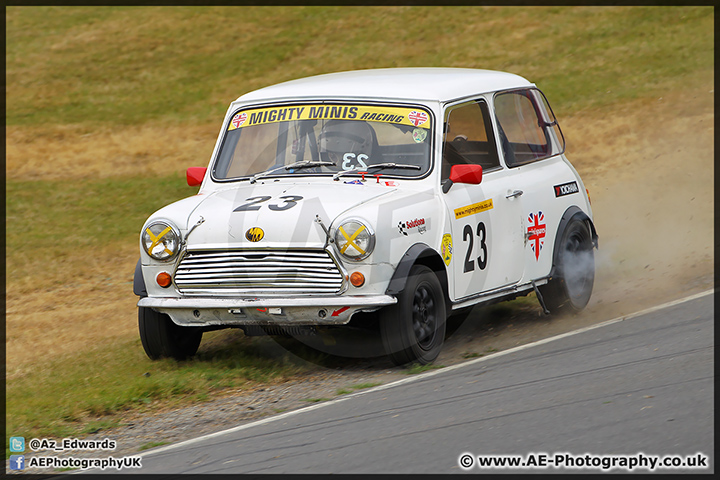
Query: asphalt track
640, 386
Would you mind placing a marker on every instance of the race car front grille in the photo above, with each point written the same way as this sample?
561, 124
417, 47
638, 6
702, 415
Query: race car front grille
258, 272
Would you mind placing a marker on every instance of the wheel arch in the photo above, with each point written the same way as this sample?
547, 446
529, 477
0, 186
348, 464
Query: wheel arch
570, 214
420, 254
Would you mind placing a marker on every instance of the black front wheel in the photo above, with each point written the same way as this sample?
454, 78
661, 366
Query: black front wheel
572, 284
413, 330
161, 337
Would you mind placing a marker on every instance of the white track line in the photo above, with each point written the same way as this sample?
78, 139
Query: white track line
421, 376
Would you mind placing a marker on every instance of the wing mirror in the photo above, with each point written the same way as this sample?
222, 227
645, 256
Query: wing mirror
195, 175
464, 173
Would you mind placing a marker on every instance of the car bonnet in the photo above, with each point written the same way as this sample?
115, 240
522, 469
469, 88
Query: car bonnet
274, 215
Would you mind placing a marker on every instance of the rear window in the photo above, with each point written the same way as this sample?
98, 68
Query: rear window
527, 128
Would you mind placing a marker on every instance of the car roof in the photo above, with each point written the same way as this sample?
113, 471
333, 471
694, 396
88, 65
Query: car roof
419, 83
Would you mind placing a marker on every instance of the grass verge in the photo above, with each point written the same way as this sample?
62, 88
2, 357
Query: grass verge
416, 368
56, 227
354, 388
131, 65
89, 392
150, 445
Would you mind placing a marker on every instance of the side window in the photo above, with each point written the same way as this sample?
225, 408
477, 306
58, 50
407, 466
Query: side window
527, 128
468, 137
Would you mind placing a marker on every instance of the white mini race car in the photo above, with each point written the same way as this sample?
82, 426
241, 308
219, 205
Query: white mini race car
386, 199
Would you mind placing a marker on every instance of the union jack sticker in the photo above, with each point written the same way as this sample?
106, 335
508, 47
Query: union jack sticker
239, 119
536, 232
417, 118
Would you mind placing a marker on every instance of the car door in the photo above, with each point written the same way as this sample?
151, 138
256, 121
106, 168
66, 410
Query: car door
485, 218
532, 146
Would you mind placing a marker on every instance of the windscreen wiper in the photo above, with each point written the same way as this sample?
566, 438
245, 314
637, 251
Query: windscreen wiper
377, 165
292, 166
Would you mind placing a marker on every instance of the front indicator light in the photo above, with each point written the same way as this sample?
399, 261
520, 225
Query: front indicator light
357, 279
164, 279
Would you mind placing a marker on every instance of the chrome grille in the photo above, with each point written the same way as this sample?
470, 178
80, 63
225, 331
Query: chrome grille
249, 272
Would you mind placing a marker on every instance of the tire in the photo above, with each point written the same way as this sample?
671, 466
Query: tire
413, 330
570, 288
161, 337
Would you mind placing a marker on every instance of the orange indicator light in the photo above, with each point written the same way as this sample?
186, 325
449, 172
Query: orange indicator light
164, 279
357, 279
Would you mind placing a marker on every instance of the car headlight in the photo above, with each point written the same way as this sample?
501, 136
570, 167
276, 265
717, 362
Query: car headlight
355, 239
161, 241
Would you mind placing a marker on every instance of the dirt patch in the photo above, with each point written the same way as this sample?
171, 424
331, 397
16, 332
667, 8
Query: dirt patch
649, 170
650, 176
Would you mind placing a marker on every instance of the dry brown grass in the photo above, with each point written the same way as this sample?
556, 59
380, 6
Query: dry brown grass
81, 301
74, 307
75, 152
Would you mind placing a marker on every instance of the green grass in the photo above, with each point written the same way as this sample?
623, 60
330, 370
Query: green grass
354, 388
416, 368
51, 225
150, 445
87, 393
131, 65
109, 209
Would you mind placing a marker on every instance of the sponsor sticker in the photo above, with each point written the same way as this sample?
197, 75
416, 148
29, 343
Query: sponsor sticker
370, 113
566, 189
474, 208
419, 225
536, 232
446, 249
419, 135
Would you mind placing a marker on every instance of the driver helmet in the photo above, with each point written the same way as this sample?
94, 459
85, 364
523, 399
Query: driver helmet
339, 137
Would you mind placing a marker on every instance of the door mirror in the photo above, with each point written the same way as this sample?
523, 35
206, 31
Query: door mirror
463, 173
468, 173
195, 175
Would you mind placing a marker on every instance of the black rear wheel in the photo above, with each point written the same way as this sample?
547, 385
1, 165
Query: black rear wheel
161, 337
413, 330
572, 284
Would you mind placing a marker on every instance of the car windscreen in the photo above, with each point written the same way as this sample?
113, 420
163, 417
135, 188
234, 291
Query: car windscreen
326, 139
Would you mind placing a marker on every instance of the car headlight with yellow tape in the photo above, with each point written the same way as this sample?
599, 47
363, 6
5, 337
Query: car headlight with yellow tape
355, 239
161, 240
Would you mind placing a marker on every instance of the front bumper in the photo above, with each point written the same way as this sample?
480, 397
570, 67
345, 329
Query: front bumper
286, 311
